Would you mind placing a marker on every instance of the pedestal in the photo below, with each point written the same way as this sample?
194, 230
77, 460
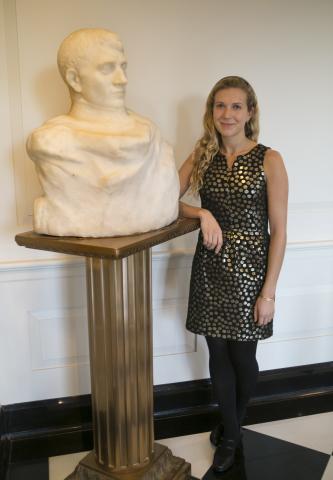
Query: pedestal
120, 339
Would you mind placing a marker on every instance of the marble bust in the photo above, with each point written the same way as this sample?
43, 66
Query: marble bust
104, 170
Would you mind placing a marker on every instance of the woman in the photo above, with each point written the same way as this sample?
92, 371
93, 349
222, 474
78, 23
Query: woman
243, 187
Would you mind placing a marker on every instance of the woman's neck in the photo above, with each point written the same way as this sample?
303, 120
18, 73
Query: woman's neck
237, 147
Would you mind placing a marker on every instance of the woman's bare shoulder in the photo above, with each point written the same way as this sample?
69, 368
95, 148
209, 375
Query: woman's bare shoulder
272, 155
273, 158
273, 162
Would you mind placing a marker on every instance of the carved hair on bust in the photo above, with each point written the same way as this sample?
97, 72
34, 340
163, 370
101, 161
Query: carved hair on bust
104, 169
75, 47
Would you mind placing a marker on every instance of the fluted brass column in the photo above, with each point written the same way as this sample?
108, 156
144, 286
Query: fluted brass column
120, 336
120, 355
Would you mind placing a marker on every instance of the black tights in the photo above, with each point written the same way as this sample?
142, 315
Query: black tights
234, 371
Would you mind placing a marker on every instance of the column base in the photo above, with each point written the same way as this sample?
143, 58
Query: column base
163, 466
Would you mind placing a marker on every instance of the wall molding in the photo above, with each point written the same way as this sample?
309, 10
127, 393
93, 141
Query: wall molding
45, 346
174, 254
306, 285
293, 336
41, 264
19, 156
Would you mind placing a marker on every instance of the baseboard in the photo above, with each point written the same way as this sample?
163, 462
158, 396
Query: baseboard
60, 426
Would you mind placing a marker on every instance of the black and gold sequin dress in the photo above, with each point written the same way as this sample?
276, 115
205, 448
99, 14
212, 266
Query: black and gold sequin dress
224, 286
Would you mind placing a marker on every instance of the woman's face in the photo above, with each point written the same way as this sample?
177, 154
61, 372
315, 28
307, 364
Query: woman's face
230, 112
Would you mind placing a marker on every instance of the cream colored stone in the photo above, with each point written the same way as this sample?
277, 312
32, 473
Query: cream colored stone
105, 170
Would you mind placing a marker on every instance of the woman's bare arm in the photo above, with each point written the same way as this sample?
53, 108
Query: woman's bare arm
211, 231
277, 194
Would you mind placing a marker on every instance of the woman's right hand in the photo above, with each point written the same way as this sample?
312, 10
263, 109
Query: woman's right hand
211, 231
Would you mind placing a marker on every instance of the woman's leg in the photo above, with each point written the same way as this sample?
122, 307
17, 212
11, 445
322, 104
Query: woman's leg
243, 359
224, 384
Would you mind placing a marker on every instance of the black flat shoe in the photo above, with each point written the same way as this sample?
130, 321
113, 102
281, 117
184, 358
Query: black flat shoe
224, 457
216, 435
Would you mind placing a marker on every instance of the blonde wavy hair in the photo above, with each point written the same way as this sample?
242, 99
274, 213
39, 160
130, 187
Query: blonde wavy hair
211, 142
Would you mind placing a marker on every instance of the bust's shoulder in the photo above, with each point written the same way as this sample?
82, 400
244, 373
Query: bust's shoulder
52, 133
141, 120
144, 127
61, 124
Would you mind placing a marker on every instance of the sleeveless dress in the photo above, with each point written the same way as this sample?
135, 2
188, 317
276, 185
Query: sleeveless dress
224, 286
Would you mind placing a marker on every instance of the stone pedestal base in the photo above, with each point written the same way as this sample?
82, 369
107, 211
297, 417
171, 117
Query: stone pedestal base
163, 466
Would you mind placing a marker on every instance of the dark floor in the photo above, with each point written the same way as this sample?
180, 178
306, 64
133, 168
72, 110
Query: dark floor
268, 458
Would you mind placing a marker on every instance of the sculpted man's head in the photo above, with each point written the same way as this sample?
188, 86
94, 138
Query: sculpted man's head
104, 169
93, 65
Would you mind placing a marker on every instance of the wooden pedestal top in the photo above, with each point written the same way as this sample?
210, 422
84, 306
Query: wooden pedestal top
107, 247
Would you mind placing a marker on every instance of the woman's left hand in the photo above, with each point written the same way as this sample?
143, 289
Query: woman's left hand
263, 311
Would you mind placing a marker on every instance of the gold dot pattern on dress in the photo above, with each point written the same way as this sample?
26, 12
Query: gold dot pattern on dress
224, 286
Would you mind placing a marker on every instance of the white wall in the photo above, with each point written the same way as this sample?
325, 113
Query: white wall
176, 51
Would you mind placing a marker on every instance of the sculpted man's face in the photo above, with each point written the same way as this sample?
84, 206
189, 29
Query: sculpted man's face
101, 77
